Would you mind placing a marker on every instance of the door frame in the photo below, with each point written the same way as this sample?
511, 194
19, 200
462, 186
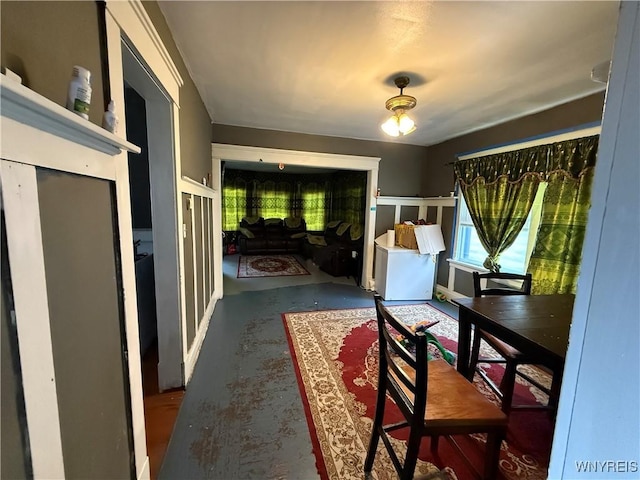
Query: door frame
220, 152
134, 47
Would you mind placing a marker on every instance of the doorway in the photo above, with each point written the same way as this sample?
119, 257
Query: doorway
250, 155
154, 214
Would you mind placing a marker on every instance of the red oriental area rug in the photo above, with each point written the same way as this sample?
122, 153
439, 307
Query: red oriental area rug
335, 354
269, 266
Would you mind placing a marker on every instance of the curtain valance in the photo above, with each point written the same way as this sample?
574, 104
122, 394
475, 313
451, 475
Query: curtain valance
510, 165
570, 158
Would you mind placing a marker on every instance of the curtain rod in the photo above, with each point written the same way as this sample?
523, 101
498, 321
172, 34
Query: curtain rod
557, 136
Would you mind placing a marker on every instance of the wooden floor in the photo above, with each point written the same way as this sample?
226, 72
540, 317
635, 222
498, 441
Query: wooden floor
160, 411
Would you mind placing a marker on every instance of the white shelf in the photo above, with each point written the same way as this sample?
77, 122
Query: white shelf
26, 106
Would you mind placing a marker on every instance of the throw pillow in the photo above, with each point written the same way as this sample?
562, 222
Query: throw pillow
317, 240
342, 228
246, 232
293, 222
251, 220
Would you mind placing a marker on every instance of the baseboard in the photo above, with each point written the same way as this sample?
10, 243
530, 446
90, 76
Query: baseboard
193, 354
450, 294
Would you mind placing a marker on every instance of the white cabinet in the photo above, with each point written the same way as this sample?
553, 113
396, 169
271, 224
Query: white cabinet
403, 274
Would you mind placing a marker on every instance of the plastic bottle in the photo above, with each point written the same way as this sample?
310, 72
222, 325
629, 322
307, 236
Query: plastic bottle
79, 98
110, 119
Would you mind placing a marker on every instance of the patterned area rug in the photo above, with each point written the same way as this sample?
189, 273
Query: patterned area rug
335, 354
254, 266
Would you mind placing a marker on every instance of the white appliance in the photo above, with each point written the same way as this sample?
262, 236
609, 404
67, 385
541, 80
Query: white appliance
403, 274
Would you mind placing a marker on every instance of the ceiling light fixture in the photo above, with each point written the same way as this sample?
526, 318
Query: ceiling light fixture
400, 123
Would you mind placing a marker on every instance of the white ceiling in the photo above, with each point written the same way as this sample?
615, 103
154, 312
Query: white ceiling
327, 67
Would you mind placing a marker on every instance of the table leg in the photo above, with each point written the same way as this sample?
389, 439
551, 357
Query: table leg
464, 342
554, 393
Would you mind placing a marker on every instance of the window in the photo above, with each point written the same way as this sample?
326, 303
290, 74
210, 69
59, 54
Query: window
514, 259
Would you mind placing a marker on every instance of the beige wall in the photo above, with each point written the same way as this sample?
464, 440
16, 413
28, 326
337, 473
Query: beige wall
195, 124
400, 165
42, 41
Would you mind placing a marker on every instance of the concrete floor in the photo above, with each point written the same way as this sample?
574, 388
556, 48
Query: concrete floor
242, 415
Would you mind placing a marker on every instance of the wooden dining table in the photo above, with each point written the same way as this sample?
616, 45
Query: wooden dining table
537, 325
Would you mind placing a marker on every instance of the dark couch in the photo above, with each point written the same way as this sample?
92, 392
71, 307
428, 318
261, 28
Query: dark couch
272, 235
338, 251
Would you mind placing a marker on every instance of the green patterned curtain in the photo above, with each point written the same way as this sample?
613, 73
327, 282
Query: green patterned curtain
318, 198
313, 200
272, 199
555, 261
348, 197
234, 203
499, 191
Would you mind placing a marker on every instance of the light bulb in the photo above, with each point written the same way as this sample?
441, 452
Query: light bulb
390, 127
406, 124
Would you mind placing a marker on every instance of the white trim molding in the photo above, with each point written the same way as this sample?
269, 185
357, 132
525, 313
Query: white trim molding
24, 244
189, 185
133, 19
423, 203
28, 107
196, 346
136, 53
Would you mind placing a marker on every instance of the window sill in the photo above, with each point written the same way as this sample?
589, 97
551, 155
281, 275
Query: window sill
467, 267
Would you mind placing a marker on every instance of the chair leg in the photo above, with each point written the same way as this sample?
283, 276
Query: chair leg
492, 456
507, 386
434, 443
377, 427
411, 458
475, 354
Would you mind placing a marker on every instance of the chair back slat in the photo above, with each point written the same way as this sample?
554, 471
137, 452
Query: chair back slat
392, 357
479, 291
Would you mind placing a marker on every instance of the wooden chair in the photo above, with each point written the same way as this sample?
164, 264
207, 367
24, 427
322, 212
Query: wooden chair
433, 397
508, 355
